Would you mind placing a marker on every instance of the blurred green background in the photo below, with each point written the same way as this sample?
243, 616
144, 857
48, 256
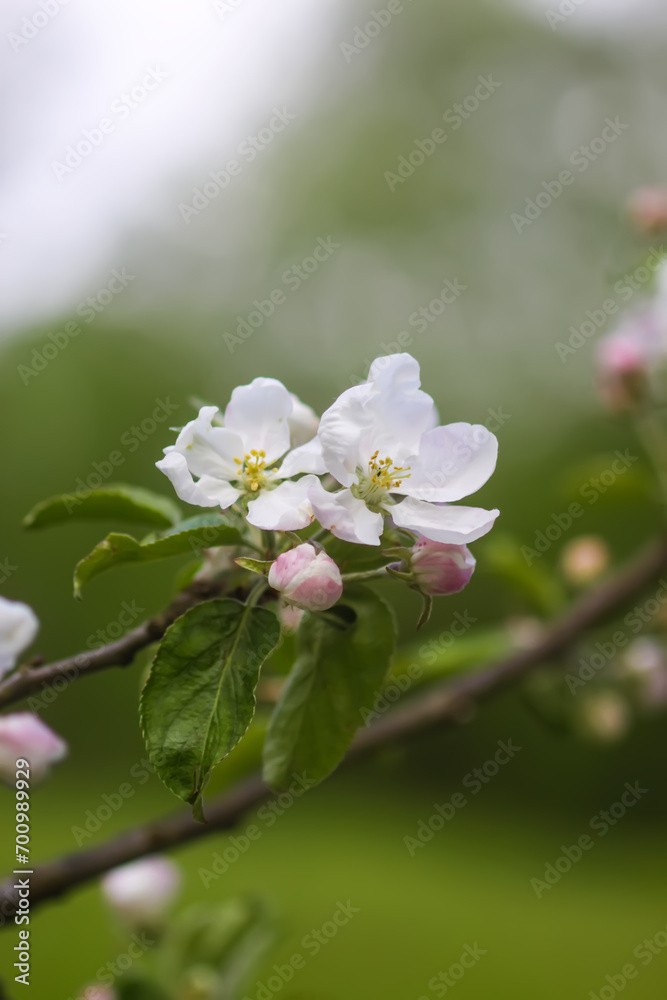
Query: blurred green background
493, 349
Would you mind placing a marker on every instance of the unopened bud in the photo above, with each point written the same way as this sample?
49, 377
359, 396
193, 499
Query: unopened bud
647, 208
606, 716
440, 569
141, 891
306, 578
584, 560
23, 734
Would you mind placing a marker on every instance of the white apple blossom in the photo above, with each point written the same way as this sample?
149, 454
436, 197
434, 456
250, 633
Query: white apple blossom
214, 466
18, 628
379, 440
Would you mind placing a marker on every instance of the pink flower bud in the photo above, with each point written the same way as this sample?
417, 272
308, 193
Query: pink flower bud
440, 569
141, 891
306, 578
25, 735
647, 208
584, 559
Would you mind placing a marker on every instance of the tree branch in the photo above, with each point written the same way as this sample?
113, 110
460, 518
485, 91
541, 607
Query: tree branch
445, 702
27, 680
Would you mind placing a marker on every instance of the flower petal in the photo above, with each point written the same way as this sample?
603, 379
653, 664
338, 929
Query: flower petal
259, 414
286, 508
455, 525
388, 413
208, 492
307, 458
303, 422
208, 449
453, 462
346, 516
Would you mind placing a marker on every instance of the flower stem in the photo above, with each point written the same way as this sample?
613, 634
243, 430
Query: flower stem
369, 574
653, 437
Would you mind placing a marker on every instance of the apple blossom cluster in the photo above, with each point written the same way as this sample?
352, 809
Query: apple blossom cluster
377, 458
23, 734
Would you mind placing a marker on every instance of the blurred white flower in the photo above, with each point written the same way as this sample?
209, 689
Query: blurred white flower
142, 890
18, 627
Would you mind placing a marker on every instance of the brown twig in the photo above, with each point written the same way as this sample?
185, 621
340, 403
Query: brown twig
27, 680
445, 702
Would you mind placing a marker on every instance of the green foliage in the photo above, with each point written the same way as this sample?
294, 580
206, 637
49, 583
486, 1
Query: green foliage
204, 531
207, 951
200, 696
339, 667
221, 944
115, 502
537, 583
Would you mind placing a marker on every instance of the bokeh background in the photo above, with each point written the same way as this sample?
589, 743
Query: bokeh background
169, 334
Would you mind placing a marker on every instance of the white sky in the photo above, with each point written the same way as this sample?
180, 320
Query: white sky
226, 67
228, 64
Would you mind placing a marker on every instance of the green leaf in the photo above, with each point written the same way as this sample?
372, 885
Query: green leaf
261, 566
200, 697
115, 502
337, 674
205, 531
